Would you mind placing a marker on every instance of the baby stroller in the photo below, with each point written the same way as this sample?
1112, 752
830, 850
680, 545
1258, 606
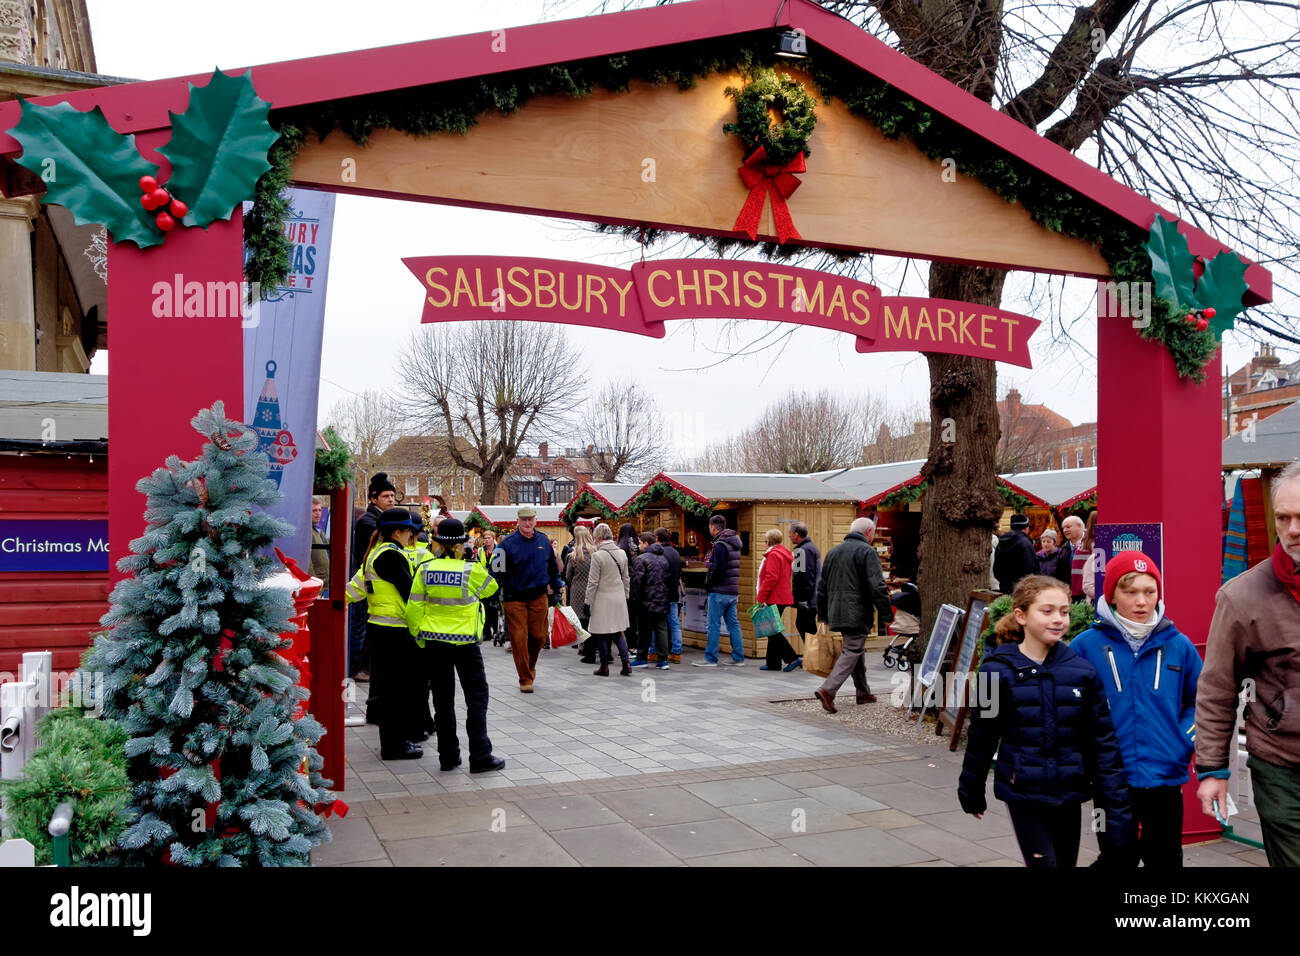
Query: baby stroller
494, 627
907, 606
896, 653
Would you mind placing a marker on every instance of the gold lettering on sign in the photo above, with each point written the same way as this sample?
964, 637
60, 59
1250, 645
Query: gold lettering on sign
984, 331
650, 287
683, 285
518, 284
1011, 324
593, 293
781, 279
462, 285
923, 318
949, 323
539, 288
865, 306
428, 280
966, 319
622, 294
837, 300
753, 282
577, 301
900, 328
719, 286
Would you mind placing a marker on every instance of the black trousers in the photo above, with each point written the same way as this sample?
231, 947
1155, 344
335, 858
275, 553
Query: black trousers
444, 663
603, 642
396, 673
652, 627
1159, 813
779, 651
805, 621
1048, 836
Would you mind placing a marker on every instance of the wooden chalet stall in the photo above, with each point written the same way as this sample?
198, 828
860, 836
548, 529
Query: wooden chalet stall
682, 502
890, 494
598, 501
503, 518
1055, 495
1254, 457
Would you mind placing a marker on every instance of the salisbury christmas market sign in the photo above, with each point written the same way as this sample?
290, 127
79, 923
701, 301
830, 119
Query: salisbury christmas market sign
642, 299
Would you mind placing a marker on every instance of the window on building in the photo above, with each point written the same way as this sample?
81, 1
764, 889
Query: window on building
527, 493
412, 486
563, 491
1094, 456
1078, 458
435, 486
462, 484
1065, 459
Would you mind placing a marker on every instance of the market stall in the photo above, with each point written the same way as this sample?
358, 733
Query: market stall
682, 502
598, 501
503, 518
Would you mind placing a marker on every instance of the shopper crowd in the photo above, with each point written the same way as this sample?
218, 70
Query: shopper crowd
1113, 717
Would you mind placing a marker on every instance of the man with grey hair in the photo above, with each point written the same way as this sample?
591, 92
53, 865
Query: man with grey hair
805, 570
1254, 644
852, 582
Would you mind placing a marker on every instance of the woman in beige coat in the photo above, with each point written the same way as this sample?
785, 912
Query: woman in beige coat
608, 587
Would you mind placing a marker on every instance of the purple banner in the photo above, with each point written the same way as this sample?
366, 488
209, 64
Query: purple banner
1113, 538
61, 544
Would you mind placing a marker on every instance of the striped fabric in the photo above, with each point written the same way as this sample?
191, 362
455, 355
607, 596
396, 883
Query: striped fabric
1234, 543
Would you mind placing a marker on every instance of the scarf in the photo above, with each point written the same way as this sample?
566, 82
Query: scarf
1134, 632
1286, 571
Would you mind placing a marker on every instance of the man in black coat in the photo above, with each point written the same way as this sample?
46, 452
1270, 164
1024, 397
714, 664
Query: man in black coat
852, 584
665, 539
382, 496
1015, 557
649, 592
805, 570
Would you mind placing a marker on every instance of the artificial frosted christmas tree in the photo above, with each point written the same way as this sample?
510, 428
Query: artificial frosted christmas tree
191, 670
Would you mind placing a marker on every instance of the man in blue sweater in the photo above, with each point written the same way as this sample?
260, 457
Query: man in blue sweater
524, 565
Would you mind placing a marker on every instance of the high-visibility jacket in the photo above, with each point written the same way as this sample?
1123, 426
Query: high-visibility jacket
383, 599
445, 601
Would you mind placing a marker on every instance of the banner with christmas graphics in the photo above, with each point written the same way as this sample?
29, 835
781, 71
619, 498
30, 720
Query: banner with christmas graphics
282, 348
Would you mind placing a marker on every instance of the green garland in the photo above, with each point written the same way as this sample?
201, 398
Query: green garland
476, 520
455, 107
662, 489
766, 91
587, 499
1081, 617
1014, 500
333, 467
904, 495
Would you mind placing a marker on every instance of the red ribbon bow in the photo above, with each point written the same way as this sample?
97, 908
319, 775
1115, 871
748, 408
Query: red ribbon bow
764, 179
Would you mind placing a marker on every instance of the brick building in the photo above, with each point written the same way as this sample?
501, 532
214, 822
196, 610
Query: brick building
419, 467
570, 470
1260, 388
1034, 438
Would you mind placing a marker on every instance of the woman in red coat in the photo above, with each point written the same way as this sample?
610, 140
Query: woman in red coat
774, 587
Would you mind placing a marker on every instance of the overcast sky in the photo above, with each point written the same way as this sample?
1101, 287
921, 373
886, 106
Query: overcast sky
374, 301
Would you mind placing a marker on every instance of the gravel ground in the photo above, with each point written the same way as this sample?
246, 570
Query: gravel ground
879, 717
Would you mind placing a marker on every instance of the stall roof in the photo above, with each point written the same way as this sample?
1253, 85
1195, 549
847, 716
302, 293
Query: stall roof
871, 482
1276, 442
753, 487
616, 493
509, 514
1059, 488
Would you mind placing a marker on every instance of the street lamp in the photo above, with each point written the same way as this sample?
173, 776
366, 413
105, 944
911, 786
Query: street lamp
548, 486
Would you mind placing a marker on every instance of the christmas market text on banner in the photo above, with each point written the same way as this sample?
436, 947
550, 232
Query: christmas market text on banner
53, 544
282, 348
641, 299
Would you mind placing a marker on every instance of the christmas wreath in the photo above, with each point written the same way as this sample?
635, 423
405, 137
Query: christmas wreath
796, 107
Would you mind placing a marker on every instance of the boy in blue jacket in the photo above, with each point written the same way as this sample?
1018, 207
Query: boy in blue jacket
1149, 670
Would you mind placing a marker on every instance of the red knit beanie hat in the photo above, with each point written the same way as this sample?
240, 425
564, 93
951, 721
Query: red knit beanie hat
1122, 564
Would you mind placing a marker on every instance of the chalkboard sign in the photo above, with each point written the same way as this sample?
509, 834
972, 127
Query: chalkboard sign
957, 697
937, 649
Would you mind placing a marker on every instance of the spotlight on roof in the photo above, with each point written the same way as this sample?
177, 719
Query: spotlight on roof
792, 43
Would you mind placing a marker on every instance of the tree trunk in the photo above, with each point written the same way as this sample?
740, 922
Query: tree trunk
962, 504
491, 484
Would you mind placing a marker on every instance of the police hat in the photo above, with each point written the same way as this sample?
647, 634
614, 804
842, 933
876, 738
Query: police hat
450, 531
395, 518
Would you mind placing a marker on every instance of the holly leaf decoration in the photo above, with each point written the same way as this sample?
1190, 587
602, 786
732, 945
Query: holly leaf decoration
89, 168
1171, 263
218, 147
1221, 287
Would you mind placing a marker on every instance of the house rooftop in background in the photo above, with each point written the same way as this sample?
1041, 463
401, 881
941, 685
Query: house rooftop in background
1273, 442
547, 515
751, 487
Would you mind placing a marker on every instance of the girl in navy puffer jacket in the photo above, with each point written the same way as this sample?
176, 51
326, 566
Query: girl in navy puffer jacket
1046, 707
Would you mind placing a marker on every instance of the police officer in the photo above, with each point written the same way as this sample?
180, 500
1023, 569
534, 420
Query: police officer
445, 614
384, 583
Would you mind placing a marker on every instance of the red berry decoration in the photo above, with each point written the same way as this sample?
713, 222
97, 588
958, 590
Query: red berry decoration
178, 209
1202, 325
147, 202
1208, 313
159, 196
148, 184
165, 222
1190, 318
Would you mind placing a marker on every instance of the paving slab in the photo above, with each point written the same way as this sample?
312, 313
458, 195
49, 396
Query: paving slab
913, 798
887, 819
567, 812
778, 818
616, 844
726, 793
861, 847
352, 841
516, 846
946, 845
687, 840
472, 819
842, 798
660, 806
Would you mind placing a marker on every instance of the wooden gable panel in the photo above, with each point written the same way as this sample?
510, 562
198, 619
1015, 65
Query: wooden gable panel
591, 158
